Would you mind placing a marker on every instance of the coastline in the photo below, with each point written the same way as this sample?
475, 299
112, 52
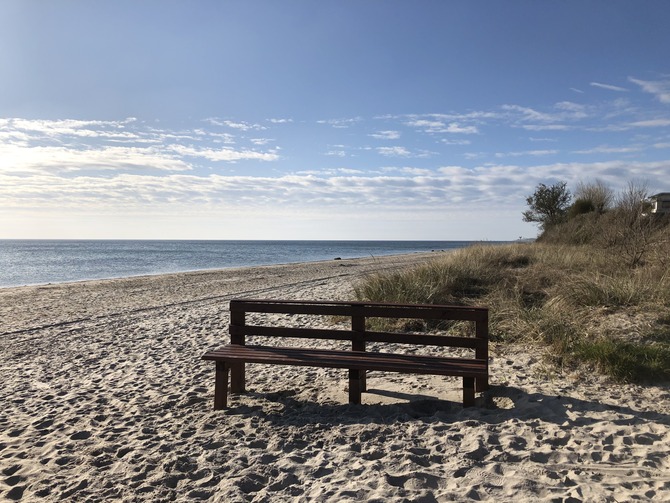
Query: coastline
42, 262
106, 398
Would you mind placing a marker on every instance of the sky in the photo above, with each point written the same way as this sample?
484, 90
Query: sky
302, 119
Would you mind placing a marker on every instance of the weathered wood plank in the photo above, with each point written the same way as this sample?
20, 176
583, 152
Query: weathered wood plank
389, 362
368, 309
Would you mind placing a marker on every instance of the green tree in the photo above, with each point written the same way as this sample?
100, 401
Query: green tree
548, 205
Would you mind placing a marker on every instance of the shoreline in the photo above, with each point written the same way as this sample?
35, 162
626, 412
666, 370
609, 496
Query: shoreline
66, 261
105, 398
216, 270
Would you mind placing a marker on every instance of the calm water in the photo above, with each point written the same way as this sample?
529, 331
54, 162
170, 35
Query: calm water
29, 262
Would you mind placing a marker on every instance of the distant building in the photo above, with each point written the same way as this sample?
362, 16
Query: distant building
660, 203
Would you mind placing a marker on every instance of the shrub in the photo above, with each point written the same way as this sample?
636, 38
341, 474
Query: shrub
597, 193
580, 207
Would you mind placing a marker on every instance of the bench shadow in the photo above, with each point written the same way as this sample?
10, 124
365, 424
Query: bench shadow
497, 405
398, 395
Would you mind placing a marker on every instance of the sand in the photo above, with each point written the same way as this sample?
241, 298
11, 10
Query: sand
104, 398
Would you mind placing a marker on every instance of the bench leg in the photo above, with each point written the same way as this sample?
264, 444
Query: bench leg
356, 385
468, 391
237, 378
221, 386
481, 384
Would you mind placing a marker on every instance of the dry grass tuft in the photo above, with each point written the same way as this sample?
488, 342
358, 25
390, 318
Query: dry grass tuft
565, 297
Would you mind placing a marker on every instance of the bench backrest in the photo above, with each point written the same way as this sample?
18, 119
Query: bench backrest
359, 312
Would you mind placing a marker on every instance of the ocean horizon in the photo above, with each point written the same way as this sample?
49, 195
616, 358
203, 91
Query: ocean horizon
26, 262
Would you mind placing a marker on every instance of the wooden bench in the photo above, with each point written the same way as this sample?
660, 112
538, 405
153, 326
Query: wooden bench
233, 357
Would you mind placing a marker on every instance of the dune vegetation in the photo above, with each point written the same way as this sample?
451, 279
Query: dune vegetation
593, 290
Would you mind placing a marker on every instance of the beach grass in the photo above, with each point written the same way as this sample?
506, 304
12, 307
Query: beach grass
581, 304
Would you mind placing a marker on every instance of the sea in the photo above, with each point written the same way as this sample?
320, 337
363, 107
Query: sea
37, 262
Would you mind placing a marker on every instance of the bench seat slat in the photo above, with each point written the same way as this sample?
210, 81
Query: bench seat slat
350, 359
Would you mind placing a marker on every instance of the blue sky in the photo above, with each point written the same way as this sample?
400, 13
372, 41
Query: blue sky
297, 119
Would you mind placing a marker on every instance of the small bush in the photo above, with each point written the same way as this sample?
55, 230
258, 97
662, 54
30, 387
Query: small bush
580, 207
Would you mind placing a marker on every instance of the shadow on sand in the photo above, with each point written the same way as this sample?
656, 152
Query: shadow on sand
497, 405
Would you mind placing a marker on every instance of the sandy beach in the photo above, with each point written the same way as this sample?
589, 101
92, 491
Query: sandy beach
105, 398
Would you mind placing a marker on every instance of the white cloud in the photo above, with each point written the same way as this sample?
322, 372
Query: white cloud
457, 128
660, 89
386, 135
438, 126
651, 123
474, 116
341, 123
449, 141
426, 124
529, 114
224, 154
330, 172
75, 146
564, 111
222, 137
609, 87
534, 153
603, 149
242, 126
416, 171
394, 151
572, 110
260, 141
14, 137
546, 127
410, 189
59, 129
21, 159
408, 170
